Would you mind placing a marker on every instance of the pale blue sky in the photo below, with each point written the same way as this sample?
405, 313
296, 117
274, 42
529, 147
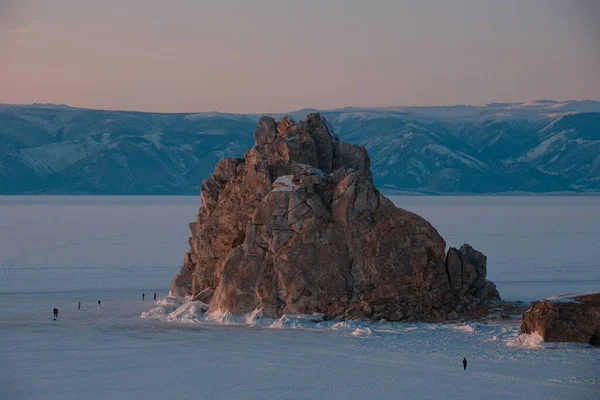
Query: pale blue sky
268, 56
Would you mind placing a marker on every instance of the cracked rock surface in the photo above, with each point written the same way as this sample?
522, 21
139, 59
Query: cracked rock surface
297, 227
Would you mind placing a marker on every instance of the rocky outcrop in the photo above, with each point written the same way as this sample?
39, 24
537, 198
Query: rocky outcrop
467, 269
297, 226
565, 319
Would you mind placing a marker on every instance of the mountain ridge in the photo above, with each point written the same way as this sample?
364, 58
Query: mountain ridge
539, 146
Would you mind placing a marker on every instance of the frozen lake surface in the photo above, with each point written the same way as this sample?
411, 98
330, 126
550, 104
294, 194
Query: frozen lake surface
536, 246
56, 251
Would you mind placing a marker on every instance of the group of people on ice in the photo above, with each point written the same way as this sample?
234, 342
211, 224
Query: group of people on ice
55, 310
464, 361
144, 296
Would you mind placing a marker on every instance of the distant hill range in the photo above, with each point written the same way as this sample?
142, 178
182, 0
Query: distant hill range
535, 147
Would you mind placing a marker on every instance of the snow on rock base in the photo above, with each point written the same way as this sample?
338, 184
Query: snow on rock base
184, 310
530, 341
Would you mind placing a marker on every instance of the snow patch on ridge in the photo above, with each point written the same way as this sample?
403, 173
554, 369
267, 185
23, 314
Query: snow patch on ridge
564, 298
464, 158
56, 157
542, 148
206, 115
155, 138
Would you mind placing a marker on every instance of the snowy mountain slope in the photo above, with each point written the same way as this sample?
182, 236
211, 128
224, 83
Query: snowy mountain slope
572, 150
46, 149
538, 146
535, 147
489, 151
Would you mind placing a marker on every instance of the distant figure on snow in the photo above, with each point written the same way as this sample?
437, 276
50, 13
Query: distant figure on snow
55, 313
465, 363
154, 296
79, 305
99, 304
143, 296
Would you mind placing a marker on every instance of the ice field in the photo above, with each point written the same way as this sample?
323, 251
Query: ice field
56, 251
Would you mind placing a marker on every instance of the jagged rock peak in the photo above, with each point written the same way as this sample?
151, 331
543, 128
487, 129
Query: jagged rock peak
310, 142
297, 226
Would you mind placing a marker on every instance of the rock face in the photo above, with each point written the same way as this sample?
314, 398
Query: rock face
297, 226
565, 319
466, 269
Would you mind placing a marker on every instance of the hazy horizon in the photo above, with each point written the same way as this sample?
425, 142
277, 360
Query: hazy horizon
294, 110
273, 57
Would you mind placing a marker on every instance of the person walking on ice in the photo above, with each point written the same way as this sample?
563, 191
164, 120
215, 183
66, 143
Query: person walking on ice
55, 313
99, 304
154, 296
465, 363
143, 296
79, 305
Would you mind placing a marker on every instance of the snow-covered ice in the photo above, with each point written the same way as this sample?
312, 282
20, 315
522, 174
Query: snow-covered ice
536, 246
56, 251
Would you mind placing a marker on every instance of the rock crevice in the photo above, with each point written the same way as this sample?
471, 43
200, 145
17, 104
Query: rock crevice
297, 226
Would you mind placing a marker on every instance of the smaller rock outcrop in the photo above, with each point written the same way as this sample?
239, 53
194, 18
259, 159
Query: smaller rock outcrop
467, 269
573, 318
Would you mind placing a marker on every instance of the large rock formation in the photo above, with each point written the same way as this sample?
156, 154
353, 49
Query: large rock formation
297, 226
565, 319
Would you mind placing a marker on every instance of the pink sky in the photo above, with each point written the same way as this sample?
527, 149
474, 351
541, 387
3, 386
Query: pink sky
270, 56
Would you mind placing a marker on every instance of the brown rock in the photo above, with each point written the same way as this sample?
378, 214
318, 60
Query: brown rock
467, 269
204, 296
352, 156
284, 125
311, 180
266, 131
298, 227
565, 319
226, 168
